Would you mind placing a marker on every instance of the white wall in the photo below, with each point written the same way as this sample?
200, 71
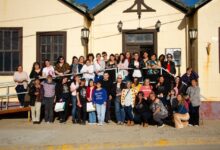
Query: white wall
39, 16
105, 35
208, 32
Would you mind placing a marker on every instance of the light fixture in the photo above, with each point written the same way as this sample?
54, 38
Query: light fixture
158, 25
85, 39
84, 33
193, 33
120, 25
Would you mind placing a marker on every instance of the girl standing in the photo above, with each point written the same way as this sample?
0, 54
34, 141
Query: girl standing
89, 92
99, 99
128, 100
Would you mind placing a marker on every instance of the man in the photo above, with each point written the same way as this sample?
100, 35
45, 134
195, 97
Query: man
105, 57
107, 85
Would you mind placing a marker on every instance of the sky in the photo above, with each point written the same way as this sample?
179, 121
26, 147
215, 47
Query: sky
92, 3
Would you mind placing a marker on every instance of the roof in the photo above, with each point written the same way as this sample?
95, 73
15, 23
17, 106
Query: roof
104, 4
81, 9
178, 4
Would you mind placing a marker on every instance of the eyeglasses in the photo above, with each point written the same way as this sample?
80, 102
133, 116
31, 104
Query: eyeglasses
119, 78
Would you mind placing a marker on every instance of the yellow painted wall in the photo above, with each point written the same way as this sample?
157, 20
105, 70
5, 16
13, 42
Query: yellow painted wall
208, 32
39, 16
105, 36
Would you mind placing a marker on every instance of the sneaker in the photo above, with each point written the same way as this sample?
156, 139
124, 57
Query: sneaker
161, 126
99, 124
190, 125
119, 123
196, 125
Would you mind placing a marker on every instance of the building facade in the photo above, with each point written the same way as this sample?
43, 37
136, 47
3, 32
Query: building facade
34, 30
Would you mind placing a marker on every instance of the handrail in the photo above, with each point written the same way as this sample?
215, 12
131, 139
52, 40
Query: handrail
11, 84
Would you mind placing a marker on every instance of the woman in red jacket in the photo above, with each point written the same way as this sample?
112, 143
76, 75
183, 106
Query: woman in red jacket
89, 92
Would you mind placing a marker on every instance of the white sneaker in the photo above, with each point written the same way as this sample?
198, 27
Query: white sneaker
196, 125
161, 126
190, 125
99, 124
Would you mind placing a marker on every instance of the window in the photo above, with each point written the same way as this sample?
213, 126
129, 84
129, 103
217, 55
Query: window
51, 45
10, 49
140, 38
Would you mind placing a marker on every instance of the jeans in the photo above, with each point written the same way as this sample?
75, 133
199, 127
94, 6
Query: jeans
48, 101
92, 117
119, 111
74, 107
159, 118
128, 113
20, 89
35, 112
101, 112
108, 110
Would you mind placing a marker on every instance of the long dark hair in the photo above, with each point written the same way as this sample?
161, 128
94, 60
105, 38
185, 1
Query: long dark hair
122, 54
58, 59
35, 63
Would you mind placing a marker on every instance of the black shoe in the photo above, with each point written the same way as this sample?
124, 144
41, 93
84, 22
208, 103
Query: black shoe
74, 121
62, 121
83, 123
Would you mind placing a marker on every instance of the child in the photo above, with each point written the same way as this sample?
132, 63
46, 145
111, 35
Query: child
99, 99
89, 92
128, 100
35, 101
194, 95
49, 98
81, 102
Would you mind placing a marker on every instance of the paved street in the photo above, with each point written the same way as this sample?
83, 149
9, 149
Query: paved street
20, 134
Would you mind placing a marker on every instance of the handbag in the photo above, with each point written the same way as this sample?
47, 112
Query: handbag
60, 106
90, 107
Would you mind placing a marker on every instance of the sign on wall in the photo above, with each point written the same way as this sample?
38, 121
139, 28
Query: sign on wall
176, 53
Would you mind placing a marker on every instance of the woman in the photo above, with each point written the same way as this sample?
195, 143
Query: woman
145, 58
73, 89
152, 72
119, 109
99, 66
123, 67
63, 95
35, 93
75, 67
62, 68
136, 64
161, 61
158, 109
21, 80
111, 65
127, 101
89, 92
88, 71
178, 87
48, 69
90, 57
36, 71
142, 109
136, 85
146, 88
181, 114
99, 99
128, 57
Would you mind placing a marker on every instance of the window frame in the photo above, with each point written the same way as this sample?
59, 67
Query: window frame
51, 33
20, 48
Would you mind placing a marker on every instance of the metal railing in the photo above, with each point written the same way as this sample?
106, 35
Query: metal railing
8, 85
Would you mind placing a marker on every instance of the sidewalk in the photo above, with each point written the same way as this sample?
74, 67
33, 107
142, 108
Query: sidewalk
19, 134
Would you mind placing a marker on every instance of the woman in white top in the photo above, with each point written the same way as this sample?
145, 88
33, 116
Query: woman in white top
88, 71
73, 88
99, 67
48, 69
123, 67
21, 79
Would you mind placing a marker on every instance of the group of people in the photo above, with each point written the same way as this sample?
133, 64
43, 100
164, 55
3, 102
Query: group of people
102, 88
